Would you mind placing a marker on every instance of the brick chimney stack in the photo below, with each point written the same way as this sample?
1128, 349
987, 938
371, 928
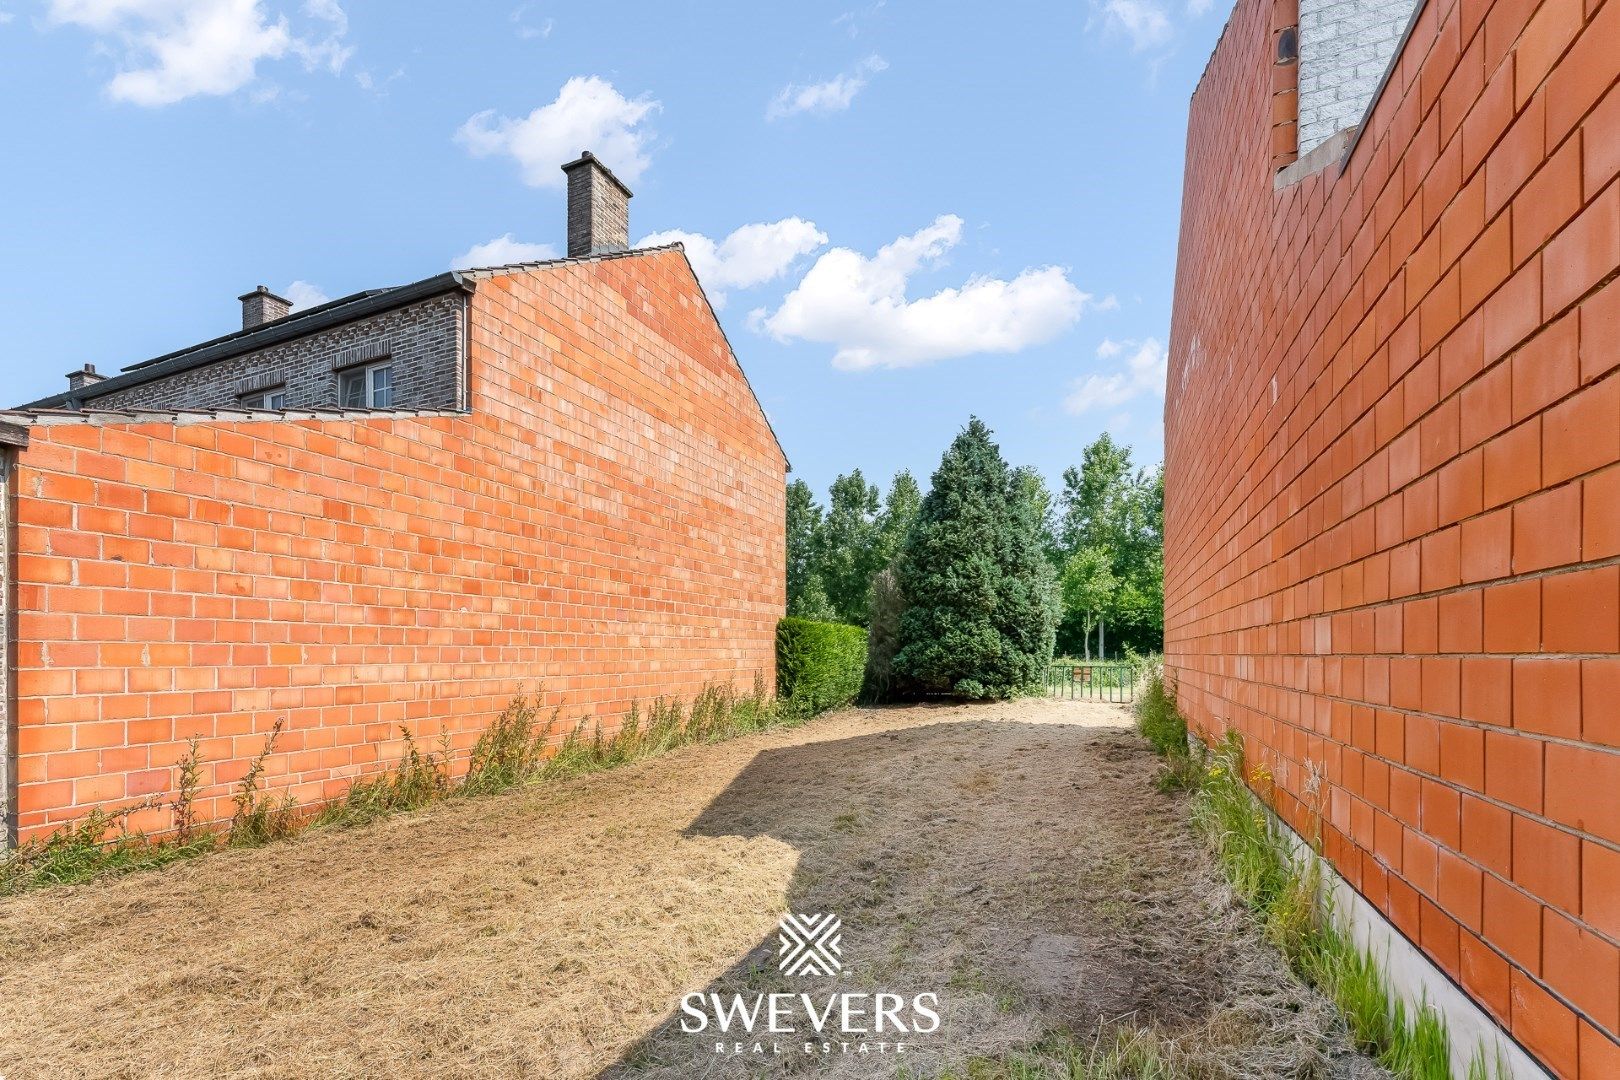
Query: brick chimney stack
598, 208
85, 376
261, 306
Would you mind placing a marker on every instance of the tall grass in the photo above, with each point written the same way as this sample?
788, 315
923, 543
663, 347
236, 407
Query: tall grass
518, 747
1156, 715
96, 845
415, 780
718, 712
1297, 917
1295, 912
187, 781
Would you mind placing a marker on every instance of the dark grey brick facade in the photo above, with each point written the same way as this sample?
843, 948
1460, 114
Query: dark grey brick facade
426, 343
598, 209
262, 306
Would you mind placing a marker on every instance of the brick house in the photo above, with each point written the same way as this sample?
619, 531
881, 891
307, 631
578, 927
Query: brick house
1392, 508
397, 508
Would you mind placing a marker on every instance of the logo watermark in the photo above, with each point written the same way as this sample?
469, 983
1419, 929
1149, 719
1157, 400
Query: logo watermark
810, 944
864, 1023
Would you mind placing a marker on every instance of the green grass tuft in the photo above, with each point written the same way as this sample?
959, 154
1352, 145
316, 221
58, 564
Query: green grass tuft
418, 779
510, 749
517, 748
1286, 895
84, 850
1161, 723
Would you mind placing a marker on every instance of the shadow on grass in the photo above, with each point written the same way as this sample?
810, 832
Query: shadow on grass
1024, 873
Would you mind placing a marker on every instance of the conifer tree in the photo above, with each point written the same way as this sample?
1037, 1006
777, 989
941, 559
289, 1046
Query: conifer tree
981, 593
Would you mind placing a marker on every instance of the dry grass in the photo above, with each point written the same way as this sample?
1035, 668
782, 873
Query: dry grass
1012, 857
516, 748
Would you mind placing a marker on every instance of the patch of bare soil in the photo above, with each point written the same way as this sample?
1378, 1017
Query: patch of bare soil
1013, 859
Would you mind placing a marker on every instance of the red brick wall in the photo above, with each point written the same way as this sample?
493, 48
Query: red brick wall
1393, 503
609, 520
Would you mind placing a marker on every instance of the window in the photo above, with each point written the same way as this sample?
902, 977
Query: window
369, 387
274, 397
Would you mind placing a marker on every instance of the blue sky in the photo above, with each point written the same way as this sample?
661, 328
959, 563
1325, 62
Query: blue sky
944, 208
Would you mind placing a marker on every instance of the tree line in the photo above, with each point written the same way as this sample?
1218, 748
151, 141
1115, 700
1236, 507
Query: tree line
971, 588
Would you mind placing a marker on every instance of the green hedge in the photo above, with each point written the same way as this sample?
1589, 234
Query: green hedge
819, 665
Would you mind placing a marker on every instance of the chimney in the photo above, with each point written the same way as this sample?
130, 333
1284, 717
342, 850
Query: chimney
598, 208
86, 376
261, 306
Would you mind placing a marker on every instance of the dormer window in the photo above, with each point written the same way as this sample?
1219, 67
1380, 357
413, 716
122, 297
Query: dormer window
368, 387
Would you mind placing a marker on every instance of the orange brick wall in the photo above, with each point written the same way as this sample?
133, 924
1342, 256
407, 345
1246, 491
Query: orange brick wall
608, 520
1393, 498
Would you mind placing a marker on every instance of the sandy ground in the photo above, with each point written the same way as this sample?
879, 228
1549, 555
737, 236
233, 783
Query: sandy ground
1014, 859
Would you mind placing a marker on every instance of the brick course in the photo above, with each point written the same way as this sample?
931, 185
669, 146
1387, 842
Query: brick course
606, 522
1392, 488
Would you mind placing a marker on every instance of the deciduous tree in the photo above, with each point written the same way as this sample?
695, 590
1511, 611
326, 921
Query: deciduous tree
803, 523
846, 545
1089, 591
1115, 512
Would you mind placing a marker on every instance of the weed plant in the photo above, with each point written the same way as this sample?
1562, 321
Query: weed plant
516, 748
1286, 892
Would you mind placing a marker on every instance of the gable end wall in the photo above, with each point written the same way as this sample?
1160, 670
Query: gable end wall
604, 527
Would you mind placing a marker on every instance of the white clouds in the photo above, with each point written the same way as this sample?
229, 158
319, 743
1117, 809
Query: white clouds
751, 255
853, 21
526, 30
1143, 373
588, 114
304, 295
328, 52
834, 95
1143, 21
501, 251
1196, 8
371, 84
174, 49
330, 11
859, 305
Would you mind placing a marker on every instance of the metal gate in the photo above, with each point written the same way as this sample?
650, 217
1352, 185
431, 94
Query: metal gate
1104, 680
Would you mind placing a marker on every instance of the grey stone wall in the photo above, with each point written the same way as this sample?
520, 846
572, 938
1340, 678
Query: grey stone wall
425, 342
1344, 48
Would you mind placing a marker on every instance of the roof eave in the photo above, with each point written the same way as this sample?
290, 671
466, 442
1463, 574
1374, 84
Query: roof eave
337, 313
